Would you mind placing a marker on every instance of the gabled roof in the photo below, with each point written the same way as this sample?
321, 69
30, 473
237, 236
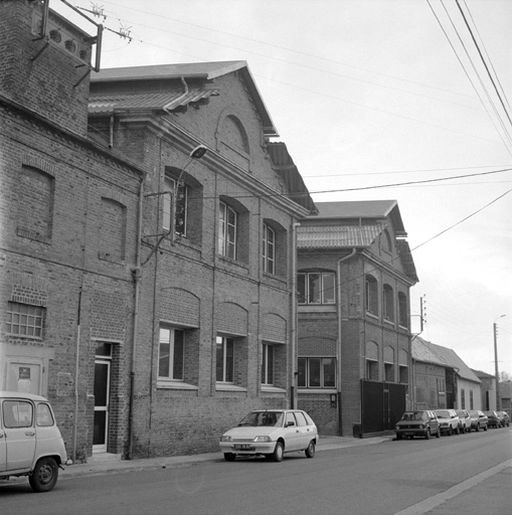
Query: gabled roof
283, 164
203, 73
428, 352
363, 209
482, 375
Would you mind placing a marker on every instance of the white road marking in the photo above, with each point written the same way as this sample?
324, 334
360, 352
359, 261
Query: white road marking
434, 501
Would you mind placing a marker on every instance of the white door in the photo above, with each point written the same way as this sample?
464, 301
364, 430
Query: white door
19, 433
101, 402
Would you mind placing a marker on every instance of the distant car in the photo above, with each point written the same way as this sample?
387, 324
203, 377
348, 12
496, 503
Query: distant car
464, 420
504, 418
417, 423
478, 420
271, 433
30, 441
448, 421
492, 419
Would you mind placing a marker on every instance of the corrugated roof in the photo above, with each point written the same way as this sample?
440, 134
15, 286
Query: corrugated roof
428, 352
204, 70
336, 237
170, 99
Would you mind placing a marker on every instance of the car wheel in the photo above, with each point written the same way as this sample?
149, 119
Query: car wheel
229, 456
427, 434
44, 476
310, 450
278, 452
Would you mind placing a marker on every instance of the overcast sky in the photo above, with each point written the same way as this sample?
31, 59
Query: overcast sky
367, 93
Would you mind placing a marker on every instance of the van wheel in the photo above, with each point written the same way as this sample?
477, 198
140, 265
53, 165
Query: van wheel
310, 450
44, 476
278, 452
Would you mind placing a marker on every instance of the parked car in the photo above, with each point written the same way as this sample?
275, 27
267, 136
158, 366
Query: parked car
271, 433
448, 421
464, 420
504, 418
492, 419
478, 420
417, 423
30, 441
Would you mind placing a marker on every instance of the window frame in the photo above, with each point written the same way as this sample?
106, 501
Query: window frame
372, 370
227, 345
403, 311
173, 193
171, 357
371, 295
267, 364
304, 298
39, 315
269, 249
305, 363
388, 303
224, 242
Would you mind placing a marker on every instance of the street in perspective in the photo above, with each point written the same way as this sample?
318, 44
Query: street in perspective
467, 474
255, 257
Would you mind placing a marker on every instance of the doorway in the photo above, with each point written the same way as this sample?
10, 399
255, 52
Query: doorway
102, 363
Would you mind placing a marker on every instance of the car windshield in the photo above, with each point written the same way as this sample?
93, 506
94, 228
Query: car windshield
416, 415
443, 414
262, 418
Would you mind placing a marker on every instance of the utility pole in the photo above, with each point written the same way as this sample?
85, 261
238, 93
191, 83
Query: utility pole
496, 372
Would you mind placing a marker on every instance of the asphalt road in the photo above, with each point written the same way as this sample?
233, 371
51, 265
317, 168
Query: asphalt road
380, 479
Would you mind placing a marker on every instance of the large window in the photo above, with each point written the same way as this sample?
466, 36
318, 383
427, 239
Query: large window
269, 249
317, 372
372, 295
228, 229
388, 303
267, 364
403, 372
25, 320
316, 288
403, 318
171, 353
180, 214
225, 359
372, 370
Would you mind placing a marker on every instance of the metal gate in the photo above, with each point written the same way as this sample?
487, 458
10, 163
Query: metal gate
382, 405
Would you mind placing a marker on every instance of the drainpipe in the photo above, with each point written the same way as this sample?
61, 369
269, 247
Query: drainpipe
179, 99
136, 274
77, 368
338, 347
293, 326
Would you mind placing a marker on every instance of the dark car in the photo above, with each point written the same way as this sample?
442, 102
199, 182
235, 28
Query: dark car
492, 419
478, 420
417, 423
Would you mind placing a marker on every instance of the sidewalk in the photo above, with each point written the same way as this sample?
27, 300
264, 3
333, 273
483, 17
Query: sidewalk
110, 463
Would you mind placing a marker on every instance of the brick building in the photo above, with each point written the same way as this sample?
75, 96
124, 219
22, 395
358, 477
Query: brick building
68, 241
354, 274
441, 379
215, 304
487, 390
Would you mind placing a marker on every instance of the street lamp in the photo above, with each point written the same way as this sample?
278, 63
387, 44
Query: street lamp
496, 373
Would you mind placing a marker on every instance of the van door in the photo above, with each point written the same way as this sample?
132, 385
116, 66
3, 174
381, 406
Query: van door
19, 433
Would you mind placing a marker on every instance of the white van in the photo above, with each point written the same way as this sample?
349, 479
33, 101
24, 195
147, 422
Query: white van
30, 441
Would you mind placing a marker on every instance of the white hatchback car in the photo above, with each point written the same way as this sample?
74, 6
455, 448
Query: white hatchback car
30, 441
271, 433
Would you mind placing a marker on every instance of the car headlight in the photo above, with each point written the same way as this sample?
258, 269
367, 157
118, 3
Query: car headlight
226, 438
262, 438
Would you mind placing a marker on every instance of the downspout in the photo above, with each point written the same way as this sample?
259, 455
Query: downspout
77, 366
136, 275
166, 107
338, 347
293, 325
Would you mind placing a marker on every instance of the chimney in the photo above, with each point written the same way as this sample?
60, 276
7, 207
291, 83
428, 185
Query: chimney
45, 62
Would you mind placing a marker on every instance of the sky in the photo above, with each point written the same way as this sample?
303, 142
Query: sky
367, 94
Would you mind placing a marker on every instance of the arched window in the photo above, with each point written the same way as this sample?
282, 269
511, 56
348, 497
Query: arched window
233, 142
388, 303
372, 361
403, 317
389, 364
372, 297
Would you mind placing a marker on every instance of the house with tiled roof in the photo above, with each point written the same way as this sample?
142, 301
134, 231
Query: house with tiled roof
442, 379
215, 326
355, 270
